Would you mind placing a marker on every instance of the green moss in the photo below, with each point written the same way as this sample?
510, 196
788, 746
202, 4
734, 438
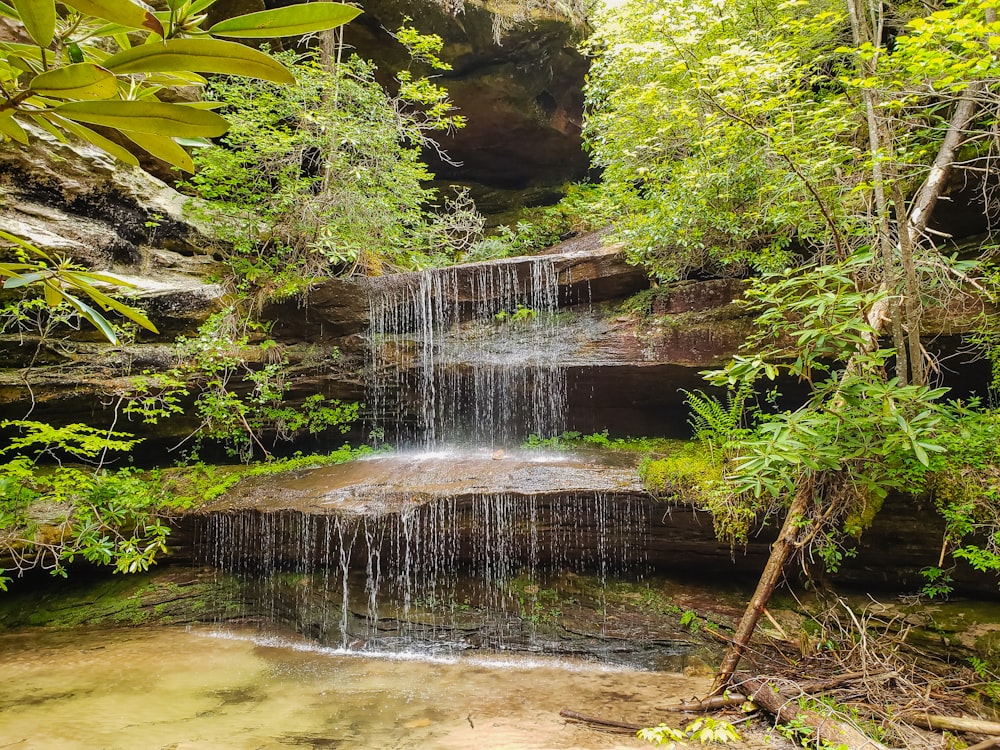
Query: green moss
161, 597
187, 487
573, 440
688, 470
642, 303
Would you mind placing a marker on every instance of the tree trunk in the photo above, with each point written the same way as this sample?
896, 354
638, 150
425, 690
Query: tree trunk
788, 711
769, 579
911, 297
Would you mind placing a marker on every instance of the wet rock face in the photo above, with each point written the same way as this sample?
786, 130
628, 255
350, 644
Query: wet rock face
73, 201
78, 201
586, 272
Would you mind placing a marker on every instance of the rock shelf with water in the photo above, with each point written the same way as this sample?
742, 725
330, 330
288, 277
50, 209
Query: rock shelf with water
396, 482
451, 550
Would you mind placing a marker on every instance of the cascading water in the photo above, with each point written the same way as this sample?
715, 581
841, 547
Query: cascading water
459, 547
467, 355
471, 571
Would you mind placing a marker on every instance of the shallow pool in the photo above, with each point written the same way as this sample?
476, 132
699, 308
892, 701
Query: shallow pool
204, 688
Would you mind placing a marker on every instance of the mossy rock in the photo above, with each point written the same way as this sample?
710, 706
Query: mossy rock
161, 597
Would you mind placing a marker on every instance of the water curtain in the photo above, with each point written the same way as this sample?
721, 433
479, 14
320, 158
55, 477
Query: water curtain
455, 573
467, 355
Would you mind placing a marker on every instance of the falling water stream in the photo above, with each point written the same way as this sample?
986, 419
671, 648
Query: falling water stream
430, 553
467, 355
459, 572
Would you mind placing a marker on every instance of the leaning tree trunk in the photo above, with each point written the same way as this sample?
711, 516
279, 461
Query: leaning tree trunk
914, 229
781, 551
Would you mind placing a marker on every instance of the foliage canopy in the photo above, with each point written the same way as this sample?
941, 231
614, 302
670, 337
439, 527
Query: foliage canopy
806, 143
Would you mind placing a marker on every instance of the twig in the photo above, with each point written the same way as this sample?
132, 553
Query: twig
781, 630
953, 723
711, 703
985, 744
618, 726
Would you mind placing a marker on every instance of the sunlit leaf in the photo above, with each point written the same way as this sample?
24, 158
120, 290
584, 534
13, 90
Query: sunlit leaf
52, 295
156, 118
291, 20
96, 139
103, 277
42, 121
207, 105
20, 241
95, 318
39, 19
12, 128
201, 56
177, 78
119, 11
19, 64
12, 269
77, 81
107, 302
163, 148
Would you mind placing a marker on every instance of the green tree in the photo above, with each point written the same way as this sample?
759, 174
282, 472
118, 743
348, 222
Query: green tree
51, 515
106, 63
326, 175
749, 136
79, 64
73, 66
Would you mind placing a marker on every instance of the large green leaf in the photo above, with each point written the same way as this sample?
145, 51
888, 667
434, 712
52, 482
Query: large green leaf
163, 148
78, 81
176, 78
200, 56
40, 118
292, 20
81, 131
96, 319
155, 118
76, 279
12, 128
39, 19
23, 243
119, 11
23, 279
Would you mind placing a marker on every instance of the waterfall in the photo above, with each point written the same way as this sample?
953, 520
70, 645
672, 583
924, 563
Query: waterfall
447, 549
467, 354
452, 574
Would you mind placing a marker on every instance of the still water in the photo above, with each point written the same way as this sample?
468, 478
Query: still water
181, 689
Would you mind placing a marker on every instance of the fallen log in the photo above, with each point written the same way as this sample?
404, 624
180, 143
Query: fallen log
788, 711
610, 724
952, 723
729, 699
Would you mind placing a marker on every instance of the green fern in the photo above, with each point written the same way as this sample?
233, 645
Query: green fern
719, 423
